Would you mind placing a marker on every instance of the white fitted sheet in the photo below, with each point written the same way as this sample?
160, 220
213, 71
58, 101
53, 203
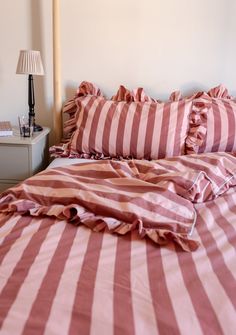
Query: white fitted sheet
68, 161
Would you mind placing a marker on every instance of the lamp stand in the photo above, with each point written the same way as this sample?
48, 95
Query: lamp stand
31, 103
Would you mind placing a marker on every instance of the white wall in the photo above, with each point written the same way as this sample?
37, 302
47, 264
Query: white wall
161, 45
25, 24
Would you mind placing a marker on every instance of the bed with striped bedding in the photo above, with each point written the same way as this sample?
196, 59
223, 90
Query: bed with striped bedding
121, 247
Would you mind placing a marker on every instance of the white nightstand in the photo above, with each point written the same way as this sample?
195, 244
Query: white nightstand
22, 157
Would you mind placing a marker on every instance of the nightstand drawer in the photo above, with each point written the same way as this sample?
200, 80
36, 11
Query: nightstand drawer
22, 157
14, 163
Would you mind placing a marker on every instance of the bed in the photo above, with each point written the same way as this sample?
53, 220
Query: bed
132, 227
131, 238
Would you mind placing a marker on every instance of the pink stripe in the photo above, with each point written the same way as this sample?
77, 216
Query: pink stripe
13, 285
224, 118
114, 129
129, 196
86, 108
164, 131
200, 167
107, 130
142, 131
217, 127
11, 238
179, 125
215, 160
92, 144
222, 272
123, 309
87, 130
82, 308
206, 144
162, 304
129, 215
149, 132
121, 129
4, 218
199, 298
166, 165
225, 224
231, 115
134, 130
43, 302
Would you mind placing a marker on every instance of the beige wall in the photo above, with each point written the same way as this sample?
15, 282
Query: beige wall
161, 45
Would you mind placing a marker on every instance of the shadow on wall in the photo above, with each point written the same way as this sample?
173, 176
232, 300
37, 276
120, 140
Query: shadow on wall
70, 91
43, 112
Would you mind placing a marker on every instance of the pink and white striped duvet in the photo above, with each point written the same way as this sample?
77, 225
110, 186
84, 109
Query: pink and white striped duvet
60, 278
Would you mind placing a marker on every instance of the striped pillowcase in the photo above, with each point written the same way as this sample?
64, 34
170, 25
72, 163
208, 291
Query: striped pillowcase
115, 129
212, 123
70, 108
221, 127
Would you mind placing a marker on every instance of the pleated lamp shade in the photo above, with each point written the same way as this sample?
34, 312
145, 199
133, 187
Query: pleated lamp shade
30, 62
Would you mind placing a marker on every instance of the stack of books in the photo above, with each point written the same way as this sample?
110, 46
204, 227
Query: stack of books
5, 128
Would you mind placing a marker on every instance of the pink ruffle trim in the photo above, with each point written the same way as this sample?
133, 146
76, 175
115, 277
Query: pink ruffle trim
70, 107
198, 118
77, 215
197, 126
136, 95
218, 92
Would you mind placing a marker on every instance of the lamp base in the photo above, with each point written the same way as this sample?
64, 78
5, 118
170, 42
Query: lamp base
37, 127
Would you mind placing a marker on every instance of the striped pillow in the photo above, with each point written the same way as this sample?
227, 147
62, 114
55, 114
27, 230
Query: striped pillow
221, 127
150, 130
70, 108
215, 116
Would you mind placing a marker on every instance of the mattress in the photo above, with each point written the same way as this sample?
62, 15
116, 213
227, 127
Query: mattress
57, 162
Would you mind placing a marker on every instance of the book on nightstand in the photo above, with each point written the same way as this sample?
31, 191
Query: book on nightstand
6, 128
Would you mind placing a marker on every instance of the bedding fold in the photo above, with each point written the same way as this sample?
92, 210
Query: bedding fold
156, 198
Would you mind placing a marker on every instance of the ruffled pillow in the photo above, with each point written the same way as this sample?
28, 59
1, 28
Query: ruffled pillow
212, 122
70, 107
136, 95
120, 129
69, 112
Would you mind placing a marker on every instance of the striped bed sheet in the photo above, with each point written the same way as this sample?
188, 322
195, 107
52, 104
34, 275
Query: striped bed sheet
58, 278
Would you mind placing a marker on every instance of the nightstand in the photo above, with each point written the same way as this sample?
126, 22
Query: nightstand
22, 157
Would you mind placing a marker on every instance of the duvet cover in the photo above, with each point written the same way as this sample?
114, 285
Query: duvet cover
121, 247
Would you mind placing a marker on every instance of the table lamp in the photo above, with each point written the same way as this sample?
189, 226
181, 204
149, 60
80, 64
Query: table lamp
30, 63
